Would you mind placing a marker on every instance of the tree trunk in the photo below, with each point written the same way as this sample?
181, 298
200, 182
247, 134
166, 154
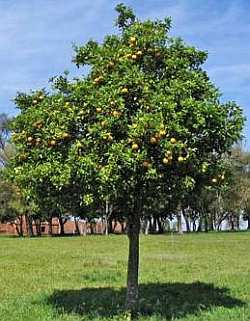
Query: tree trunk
199, 229
133, 230
211, 223
38, 226
29, 225
248, 222
106, 218
187, 223
194, 225
50, 231
110, 225
61, 223
205, 224
77, 230
179, 224
160, 226
19, 226
147, 226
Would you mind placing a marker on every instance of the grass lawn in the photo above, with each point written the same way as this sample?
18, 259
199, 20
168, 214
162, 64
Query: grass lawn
190, 277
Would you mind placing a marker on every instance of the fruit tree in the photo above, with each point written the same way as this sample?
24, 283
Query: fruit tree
144, 121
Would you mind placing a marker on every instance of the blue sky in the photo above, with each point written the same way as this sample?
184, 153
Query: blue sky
36, 38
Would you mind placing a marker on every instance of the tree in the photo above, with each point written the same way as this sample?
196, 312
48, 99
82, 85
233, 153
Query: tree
145, 118
6, 149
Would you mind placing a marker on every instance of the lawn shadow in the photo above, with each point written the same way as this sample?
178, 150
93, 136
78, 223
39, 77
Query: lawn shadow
170, 300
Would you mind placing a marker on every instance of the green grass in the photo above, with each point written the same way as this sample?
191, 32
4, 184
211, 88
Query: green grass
190, 277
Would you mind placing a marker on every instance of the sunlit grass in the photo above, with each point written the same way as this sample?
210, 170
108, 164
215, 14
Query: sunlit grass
189, 277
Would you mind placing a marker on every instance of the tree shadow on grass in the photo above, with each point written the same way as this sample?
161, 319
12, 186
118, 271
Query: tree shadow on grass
170, 300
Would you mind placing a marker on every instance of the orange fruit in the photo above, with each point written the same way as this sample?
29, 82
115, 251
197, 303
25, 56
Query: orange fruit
153, 140
165, 161
124, 90
116, 113
65, 135
146, 164
52, 142
162, 133
135, 146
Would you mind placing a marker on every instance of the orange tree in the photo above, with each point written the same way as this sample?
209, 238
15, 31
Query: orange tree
145, 121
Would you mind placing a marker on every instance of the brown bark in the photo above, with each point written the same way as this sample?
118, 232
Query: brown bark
38, 226
50, 231
61, 223
29, 225
133, 230
77, 227
19, 226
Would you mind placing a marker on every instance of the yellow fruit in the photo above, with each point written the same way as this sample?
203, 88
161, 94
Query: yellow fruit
29, 139
103, 123
222, 176
180, 159
116, 113
34, 101
124, 90
162, 133
41, 97
23, 157
135, 146
52, 142
146, 164
153, 140
65, 136
129, 56
97, 80
214, 180
132, 39
38, 141
98, 109
165, 161
173, 140
109, 138
168, 153
67, 104
134, 57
